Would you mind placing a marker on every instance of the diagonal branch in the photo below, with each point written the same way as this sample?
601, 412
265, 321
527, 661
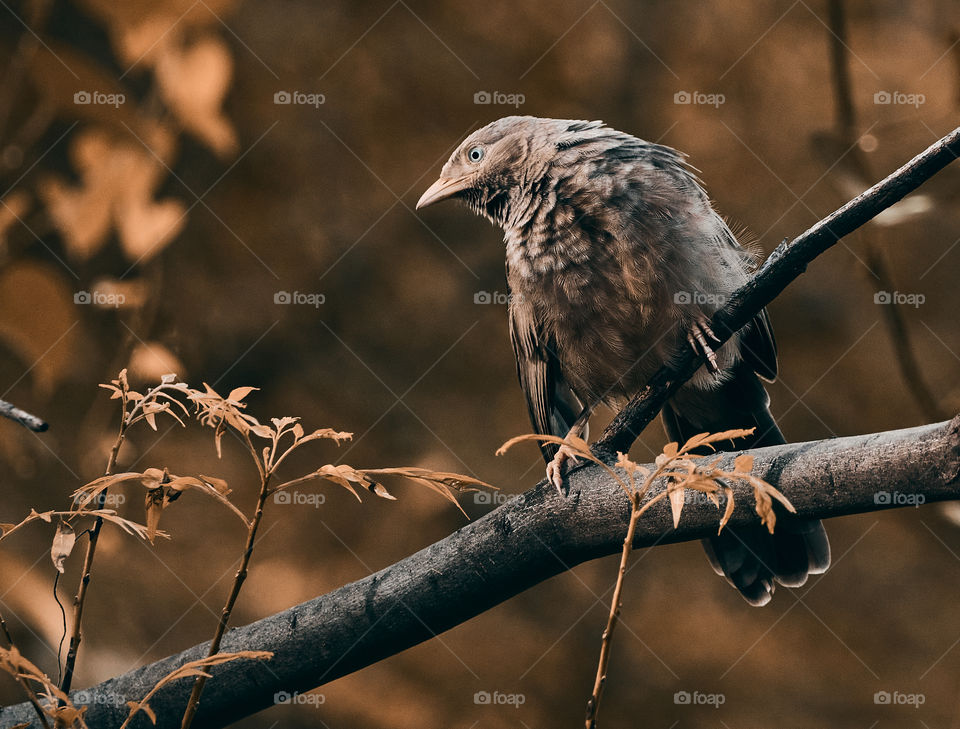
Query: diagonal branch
784, 265
533, 537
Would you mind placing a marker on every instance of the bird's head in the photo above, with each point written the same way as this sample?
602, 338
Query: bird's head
499, 165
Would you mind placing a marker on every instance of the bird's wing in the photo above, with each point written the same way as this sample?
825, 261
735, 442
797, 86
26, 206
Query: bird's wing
552, 404
757, 344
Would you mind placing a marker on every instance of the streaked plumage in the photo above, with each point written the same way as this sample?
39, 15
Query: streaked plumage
614, 255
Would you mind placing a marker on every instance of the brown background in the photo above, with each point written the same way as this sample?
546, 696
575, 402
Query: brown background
319, 200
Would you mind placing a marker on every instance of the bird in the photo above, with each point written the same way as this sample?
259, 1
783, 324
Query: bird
615, 260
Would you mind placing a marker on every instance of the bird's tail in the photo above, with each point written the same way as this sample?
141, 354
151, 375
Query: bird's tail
750, 558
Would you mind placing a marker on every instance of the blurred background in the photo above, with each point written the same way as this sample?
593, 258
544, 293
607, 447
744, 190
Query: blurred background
225, 189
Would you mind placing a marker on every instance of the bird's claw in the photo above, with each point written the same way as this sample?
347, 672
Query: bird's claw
555, 467
697, 337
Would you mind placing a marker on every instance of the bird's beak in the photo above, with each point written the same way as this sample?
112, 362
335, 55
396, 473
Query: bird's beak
442, 189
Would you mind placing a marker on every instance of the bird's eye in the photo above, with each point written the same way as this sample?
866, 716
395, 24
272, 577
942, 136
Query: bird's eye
475, 154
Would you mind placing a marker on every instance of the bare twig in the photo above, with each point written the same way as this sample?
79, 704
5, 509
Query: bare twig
593, 705
847, 135
31, 422
93, 537
784, 265
254, 525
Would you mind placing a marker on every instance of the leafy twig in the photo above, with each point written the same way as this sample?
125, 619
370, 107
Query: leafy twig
282, 437
143, 407
193, 668
58, 707
683, 468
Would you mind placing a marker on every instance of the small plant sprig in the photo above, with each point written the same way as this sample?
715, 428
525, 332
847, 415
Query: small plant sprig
10, 662
187, 670
680, 468
269, 446
134, 408
47, 699
51, 703
90, 500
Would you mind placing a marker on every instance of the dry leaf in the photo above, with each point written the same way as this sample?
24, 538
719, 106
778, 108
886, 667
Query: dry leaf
155, 502
138, 28
728, 511
676, 503
118, 177
193, 81
35, 326
63, 542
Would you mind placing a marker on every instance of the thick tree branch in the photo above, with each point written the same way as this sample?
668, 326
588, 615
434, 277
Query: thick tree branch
784, 265
527, 540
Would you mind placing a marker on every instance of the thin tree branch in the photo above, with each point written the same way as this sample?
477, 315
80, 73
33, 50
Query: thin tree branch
785, 264
93, 537
527, 540
847, 135
239, 578
613, 617
31, 422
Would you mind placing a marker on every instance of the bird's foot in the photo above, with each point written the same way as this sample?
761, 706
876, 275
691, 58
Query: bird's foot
697, 337
555, 467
